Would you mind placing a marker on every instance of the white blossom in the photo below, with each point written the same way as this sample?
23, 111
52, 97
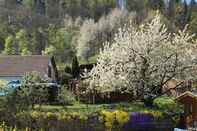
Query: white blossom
142, 58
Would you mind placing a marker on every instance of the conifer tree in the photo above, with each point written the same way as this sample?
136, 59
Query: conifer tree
75, 67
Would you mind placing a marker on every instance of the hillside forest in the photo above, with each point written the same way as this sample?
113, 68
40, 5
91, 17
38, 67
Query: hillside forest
68, 28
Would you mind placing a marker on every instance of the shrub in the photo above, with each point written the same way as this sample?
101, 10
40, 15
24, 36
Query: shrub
34, 93
110, 118
33, 90
68, 69
66, 97
64, 78
15, 102
167, 104
148, 101
32, 77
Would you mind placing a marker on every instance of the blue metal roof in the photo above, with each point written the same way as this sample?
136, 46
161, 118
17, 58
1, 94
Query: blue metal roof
14, 84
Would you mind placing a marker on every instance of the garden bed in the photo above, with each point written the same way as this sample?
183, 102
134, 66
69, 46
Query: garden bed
82, 117
104, 120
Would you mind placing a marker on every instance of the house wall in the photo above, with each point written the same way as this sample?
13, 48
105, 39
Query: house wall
195, 110
190, 104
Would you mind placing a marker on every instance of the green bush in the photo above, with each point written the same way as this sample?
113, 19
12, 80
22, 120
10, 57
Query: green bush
68, 69
64, 78
66, 97
32, 77
15, 102
33, 90
167, 104
35, 93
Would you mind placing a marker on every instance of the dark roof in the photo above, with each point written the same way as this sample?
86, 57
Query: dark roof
87, 66
187, 94
19, 65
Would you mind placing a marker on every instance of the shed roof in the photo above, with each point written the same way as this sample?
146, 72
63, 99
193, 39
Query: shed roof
16, 65
187, 94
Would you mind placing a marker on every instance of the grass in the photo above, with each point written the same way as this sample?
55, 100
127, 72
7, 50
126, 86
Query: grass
90, 108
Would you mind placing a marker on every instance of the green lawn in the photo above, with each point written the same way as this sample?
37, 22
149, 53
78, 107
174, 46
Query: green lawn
86, 109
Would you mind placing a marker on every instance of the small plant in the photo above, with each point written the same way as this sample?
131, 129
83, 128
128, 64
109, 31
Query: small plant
110, 118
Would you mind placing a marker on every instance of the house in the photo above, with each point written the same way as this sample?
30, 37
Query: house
189, 100
13, 67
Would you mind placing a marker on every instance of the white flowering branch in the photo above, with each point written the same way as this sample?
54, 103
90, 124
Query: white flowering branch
141, 60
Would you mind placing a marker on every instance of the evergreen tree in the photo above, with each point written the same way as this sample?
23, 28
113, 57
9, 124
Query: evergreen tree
156, 4
185, 16
75, 67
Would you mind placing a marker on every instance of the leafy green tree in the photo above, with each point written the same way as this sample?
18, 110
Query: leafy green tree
23, 42
10, 46
25, 51
51, 50
29, 3
88, 8
4, 31
63, 39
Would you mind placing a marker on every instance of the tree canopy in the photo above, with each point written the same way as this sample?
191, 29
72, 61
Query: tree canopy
141, 60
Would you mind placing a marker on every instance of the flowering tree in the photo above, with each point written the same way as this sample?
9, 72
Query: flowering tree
142, 60
92, 34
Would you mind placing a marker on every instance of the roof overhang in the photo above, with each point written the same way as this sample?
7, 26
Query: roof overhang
187, 95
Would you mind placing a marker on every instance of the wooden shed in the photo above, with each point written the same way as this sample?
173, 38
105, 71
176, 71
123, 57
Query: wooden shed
189, 100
